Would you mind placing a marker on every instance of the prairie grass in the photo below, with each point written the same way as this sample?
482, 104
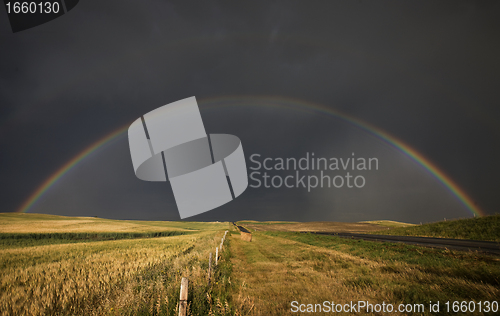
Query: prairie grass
387, 223
478, 228
311, 226
28, 223
11, 240
69, 270
155, 290
277, 268
73, 278
265, 223
138, 276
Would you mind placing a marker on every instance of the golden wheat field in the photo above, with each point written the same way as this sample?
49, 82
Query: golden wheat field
104, 277
41, 223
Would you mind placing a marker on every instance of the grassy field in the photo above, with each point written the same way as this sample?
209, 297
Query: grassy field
132, 276
277, 268
41, 223
314, 226
479, 228
309, 268
390, 224
92, 266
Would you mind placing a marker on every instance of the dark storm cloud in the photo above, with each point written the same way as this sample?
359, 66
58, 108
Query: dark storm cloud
425, 72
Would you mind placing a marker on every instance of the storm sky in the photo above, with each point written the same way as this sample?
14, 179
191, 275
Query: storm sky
424, 72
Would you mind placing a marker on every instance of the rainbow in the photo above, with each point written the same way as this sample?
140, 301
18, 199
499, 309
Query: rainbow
276, 102
50, 181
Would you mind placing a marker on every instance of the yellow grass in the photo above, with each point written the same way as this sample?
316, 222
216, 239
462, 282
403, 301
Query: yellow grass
388, 223
71, 276
313, 227
102, 277
38, 223
273, 271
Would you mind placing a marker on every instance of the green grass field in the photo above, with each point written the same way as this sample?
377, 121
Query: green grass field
480, 228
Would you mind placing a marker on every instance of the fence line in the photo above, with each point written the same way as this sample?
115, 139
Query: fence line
209, 268
185, 281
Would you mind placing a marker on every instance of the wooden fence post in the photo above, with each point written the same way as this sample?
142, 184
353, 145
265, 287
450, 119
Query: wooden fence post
183, 297
209, 268
216, 254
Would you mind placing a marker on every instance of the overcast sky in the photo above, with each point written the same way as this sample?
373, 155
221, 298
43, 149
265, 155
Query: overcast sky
425, 72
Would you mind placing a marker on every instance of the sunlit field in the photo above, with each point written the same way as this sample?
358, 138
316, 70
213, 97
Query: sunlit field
41, 223
479, 228
361, 227
137, 276
280, 267
52, 265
